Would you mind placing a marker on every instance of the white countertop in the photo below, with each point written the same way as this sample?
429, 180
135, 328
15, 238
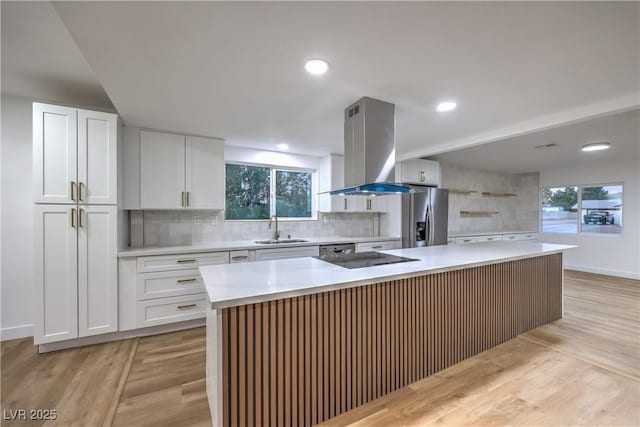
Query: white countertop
490, 233
245, 244
238, 284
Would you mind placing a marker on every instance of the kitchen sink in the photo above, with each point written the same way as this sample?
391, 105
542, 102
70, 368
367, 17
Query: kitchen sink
276, 242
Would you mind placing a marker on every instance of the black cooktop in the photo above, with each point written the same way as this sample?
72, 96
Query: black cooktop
363, 259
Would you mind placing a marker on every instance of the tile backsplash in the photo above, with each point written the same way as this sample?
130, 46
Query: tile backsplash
166, 228
518, 212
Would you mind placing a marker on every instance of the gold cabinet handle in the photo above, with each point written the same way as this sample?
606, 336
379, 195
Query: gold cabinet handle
376, 247
188, 202
73, 218
73, 191
80, 187
81, 218
239, 257
186, 280
185, 261
184, 307
368, 204
183, 199
345, 204
422, 176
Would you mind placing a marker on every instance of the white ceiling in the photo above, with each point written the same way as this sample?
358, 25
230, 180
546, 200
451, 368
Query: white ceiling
235, 69
40, 59
519, 155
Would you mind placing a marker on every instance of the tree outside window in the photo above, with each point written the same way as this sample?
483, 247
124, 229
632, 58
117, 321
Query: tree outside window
257, 192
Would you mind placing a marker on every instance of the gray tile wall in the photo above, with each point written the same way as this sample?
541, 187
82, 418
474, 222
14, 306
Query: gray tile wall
166, 228
516, 213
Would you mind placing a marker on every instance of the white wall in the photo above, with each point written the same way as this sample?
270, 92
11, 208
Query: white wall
16, 287
604, 254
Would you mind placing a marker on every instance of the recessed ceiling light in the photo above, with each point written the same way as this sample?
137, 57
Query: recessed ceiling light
443, 107
282, 146
596, 146
316, 66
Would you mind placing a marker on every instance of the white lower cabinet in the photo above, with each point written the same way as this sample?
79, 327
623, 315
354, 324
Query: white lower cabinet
520, 236
169, 284
56, 274
169, 288
169, 310
97, 270
237, 257
493, 238
283, 253
180, 262
75, 272
378, 246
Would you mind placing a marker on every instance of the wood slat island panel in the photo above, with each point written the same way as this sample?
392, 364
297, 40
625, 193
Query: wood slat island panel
302, 360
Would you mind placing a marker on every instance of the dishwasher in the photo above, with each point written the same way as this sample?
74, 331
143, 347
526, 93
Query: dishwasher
333, 251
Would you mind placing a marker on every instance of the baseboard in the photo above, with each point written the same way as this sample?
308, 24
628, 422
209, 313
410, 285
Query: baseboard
16, 332
604, 271
117, 336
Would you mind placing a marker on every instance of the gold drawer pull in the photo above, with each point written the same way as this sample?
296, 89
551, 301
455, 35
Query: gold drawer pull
184, 307
185, 261
187, 280
376, 247
239, 257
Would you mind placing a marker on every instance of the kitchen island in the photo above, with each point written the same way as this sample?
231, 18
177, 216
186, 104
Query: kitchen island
296, 342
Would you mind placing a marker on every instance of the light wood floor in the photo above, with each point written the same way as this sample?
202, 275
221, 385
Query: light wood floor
581, 370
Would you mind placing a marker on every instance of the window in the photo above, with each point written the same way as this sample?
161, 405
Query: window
257, 192
597, 208
293, 194
559, 210
601, 209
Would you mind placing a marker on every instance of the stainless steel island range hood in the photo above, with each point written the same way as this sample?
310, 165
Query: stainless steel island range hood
370, 150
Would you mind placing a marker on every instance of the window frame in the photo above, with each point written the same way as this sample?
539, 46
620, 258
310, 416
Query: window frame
272, 191
579, 210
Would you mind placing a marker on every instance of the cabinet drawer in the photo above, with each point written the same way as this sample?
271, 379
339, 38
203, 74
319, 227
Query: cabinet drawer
467, 239
170, 310
237, 257
520, 236
180, 262
169, 284
284, 253
491, 238
376, 246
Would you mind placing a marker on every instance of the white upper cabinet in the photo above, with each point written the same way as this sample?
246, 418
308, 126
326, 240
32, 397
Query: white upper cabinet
97, 270
54, 154
56, 273
97, 158
162, 170
171, 171
204, 161
418, 171
74, 155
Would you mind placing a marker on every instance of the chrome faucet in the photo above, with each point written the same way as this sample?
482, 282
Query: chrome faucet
276, 235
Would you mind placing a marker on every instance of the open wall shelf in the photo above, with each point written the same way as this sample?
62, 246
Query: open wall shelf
492, 194
478, 213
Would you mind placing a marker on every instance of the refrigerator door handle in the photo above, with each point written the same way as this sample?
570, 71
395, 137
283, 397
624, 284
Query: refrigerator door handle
432, 229
427, 226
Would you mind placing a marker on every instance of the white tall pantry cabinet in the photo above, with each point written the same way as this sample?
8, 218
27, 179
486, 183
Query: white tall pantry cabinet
75, 184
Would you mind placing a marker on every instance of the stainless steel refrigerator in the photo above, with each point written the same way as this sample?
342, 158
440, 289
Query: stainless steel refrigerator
425, 217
